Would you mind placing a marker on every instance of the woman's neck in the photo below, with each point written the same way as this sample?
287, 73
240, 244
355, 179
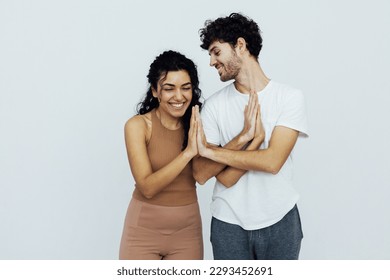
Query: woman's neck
167, 120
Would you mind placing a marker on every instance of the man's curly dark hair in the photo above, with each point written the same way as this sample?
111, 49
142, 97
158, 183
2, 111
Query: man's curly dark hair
229, 29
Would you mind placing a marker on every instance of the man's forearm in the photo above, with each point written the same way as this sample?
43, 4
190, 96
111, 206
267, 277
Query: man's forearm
260, 160
230, 175
268, 160
205, 168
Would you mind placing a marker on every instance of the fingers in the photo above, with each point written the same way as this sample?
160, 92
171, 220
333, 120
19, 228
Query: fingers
196, 110
194, 133
200, 128
253, 109
201, 138
192, 121
192, 145
258, 111
199, 135
259, 125
252, 104
196, 116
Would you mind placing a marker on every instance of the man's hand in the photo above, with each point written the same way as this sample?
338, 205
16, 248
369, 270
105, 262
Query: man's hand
250, 116
259, 129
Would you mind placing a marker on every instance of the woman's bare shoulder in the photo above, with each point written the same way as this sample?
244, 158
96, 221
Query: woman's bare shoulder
140, 123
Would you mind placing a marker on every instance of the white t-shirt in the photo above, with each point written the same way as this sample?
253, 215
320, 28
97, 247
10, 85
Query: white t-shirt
258, 199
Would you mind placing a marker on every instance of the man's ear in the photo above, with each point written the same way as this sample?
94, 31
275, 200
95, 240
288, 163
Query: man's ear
241, 45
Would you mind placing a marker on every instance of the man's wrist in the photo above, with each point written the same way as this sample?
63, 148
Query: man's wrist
243, 139
259, 138
207, 152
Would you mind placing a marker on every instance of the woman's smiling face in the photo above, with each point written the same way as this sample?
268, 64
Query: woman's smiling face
174, 91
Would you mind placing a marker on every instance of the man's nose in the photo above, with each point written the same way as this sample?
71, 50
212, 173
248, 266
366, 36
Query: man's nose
212, 61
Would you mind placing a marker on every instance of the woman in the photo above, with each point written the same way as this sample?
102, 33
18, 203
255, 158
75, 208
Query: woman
163, 219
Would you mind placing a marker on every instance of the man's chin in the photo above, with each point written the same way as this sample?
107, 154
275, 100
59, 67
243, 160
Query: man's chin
225, 79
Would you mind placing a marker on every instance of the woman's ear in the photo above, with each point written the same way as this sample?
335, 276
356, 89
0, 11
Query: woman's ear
155, 93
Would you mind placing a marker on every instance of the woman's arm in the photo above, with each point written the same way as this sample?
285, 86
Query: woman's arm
150, 183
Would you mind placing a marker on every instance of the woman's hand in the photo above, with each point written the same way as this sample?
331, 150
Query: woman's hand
192, 147
201, 138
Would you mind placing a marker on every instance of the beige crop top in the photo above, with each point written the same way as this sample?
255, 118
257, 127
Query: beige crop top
164, 146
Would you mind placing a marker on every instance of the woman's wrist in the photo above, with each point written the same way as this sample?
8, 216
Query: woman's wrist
188, 154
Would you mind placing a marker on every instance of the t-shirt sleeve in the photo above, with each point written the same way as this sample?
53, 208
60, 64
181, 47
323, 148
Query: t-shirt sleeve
294, 113
210, 124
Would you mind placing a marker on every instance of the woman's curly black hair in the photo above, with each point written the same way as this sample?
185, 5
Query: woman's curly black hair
229, 29
165, 62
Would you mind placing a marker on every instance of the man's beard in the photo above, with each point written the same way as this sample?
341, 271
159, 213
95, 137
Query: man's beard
232, 69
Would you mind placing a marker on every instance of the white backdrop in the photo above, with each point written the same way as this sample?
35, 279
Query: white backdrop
72, 72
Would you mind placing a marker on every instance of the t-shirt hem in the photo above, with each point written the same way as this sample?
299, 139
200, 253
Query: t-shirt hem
256, 226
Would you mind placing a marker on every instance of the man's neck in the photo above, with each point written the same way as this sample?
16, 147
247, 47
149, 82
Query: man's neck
251, 77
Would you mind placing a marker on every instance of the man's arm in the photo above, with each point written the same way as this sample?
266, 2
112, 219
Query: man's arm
230, 175
204, 168
269, 160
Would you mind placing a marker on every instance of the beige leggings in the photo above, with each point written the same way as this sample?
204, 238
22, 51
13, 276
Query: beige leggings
153, 232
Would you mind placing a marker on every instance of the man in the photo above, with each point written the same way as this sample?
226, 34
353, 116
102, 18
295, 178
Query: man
254, 202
